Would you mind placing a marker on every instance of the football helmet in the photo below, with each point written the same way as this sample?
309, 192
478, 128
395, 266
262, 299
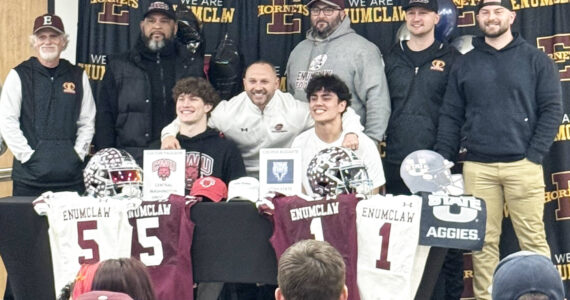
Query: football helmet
113, 172
428, 171
337, 170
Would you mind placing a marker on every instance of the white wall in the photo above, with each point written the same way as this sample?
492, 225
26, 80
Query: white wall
68, 11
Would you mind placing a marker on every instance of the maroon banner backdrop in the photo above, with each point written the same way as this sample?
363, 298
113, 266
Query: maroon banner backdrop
270, 29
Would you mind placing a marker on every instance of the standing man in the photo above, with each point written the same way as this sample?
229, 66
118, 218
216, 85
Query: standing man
47, 115
417, 72
504, 98
135, 99
261, 117
328, 100
208, 153
332, 47
311, 269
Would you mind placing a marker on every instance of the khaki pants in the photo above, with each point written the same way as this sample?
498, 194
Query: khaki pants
520, 186
3, 276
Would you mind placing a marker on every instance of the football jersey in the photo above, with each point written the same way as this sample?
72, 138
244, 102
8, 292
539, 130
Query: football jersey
84, 230
162, 237
295, 219
390, 262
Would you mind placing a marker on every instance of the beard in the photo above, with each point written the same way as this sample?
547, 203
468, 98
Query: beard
324, 32
48, 56
490, 34
155, 45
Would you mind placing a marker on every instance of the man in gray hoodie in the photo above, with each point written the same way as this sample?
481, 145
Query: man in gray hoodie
332, 47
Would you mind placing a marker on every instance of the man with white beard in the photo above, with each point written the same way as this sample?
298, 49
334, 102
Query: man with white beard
135, 100
47, 115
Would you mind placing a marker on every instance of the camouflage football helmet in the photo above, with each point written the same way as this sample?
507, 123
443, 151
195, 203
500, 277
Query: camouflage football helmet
337, 170
113, 172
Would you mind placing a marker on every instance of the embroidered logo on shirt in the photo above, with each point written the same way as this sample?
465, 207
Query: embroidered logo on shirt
437, 65
278, 128
69, 87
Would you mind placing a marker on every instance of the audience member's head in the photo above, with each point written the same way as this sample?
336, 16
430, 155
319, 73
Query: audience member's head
84, 279
311, 270
124, 275
104, 295
526, 275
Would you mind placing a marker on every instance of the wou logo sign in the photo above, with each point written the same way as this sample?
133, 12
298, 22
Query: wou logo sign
469, 207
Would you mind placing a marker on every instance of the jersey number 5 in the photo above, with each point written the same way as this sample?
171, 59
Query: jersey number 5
86, 241
152, 257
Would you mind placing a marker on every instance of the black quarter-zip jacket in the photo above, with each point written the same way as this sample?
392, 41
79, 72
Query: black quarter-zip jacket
416, 94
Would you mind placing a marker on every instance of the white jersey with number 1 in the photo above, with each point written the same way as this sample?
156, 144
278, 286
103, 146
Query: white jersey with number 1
388, 253
84, 230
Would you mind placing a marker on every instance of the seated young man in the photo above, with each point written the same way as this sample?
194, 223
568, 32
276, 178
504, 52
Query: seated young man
328, 99
208, 153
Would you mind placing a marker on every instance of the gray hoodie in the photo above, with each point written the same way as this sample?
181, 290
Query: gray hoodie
356, 61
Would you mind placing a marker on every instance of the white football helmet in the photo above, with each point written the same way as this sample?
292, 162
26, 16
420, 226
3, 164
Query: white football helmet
428, 171
113, 172
337, 170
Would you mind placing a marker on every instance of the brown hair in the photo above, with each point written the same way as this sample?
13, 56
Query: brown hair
198, 87
124, 275
311, 270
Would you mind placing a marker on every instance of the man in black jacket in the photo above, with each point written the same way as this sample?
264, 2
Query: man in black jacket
417, 72
504, 98
134, 102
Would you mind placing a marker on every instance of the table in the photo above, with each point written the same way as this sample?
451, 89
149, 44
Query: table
231, 244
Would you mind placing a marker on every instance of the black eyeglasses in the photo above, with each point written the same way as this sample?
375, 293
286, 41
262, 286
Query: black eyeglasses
327, 11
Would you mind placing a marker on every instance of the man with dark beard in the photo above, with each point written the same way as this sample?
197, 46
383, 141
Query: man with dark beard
504, 98
332, 47
134, 102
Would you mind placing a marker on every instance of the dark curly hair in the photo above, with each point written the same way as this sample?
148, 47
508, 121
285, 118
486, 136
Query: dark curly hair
198, 87
329, 83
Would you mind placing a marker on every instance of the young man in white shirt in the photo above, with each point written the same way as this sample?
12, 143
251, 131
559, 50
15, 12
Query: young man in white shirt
328, 99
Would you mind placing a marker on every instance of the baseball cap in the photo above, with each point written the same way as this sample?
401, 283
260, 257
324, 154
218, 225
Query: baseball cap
525, 272
162, 7
334, 3
244, 188
104, 295
210, 187
50, 21
504, 3
427, 4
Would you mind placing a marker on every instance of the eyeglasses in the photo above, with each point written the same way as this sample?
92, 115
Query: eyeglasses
327, 11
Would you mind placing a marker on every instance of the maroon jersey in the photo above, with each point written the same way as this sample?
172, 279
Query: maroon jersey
334, 221
162, 238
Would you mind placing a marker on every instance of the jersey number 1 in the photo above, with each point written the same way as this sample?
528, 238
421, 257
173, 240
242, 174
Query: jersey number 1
383, 262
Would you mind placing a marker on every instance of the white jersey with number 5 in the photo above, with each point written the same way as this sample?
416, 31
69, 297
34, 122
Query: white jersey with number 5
388, 232
84, 230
